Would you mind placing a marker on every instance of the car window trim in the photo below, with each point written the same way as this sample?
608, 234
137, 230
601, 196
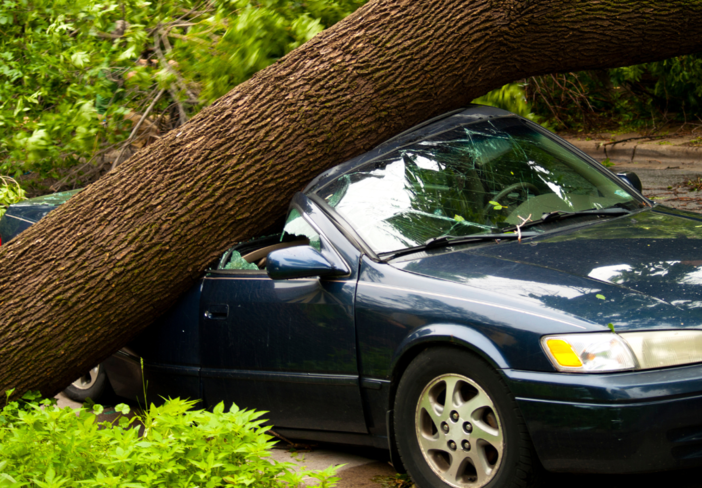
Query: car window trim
305, 215
343, 226
251, 272
427, 123
10, 216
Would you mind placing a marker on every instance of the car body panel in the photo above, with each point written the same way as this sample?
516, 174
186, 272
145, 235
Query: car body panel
632, 279
20, 216
287, 347
613, 423
636, 438
170, 351
391, 305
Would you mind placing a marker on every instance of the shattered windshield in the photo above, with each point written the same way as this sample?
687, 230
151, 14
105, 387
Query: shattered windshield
473, 179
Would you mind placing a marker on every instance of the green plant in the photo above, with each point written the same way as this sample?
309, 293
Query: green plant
397, 481
44, 446
509, 97
695, 185
10, 192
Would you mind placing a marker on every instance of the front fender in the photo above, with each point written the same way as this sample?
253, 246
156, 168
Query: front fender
447, 334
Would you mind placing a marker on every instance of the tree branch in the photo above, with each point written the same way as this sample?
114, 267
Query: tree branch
179, 80
116, 162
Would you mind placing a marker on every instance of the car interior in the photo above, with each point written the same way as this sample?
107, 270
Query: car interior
253, 254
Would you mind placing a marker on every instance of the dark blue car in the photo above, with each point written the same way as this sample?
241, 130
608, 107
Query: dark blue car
475, 295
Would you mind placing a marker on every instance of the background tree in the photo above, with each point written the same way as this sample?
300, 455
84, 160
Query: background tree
644, 97
83, 281
77, 75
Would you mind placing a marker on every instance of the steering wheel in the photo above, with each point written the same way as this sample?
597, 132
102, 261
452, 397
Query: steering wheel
522, 185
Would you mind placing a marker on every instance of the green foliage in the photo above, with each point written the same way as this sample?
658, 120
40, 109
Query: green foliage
670, 85
44, 446
63, 61
10, 192
509, 97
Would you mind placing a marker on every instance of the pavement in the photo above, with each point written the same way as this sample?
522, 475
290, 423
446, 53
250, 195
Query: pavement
664, 164
665, 167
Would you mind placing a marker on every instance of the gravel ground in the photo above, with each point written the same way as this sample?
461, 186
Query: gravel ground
669, 186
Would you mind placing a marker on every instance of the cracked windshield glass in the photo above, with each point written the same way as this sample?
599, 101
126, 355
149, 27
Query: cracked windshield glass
481, 178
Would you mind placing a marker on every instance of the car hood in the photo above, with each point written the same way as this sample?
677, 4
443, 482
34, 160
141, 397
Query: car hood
639, 271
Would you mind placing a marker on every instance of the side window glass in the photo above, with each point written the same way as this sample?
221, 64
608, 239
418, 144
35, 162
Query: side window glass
296, 228
253, 254
235, 261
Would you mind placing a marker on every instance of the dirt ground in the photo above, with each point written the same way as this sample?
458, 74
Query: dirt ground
670, 186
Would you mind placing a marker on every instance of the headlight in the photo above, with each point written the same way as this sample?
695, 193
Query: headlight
601, 352
661, 348
588, 353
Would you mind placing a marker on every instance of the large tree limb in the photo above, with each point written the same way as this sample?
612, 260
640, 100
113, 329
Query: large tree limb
79, 284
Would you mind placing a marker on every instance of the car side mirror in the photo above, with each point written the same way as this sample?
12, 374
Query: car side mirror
631, 179
300, 262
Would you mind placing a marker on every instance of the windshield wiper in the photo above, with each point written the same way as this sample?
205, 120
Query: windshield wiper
445, 241
450, 240
563, 214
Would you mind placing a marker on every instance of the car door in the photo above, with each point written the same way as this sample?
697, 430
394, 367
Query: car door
284, 346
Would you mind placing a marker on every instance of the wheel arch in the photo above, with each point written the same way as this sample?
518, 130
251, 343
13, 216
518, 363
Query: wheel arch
516, 467
451, 335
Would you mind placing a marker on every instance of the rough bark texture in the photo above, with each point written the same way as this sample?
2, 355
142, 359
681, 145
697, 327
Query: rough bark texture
82, 282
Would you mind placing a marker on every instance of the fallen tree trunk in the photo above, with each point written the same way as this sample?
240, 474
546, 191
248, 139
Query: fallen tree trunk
82, 282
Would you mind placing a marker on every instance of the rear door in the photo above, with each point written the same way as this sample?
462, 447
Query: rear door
284, 346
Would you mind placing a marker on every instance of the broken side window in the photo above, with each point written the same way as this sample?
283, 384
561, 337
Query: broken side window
296, 227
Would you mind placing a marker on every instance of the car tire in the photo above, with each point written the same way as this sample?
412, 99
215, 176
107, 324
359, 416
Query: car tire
478, 440
94, 385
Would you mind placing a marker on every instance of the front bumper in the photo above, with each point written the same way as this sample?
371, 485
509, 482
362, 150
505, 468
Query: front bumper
632, 422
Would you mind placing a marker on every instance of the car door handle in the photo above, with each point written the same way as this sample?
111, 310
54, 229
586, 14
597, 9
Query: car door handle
217, 312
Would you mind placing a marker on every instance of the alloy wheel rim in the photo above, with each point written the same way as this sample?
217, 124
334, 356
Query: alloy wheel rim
87, 380
459, 431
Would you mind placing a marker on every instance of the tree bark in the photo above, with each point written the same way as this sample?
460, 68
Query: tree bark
78, 285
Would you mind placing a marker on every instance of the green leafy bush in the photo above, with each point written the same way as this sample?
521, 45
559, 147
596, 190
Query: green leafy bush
509, 97
10, 192
44, 446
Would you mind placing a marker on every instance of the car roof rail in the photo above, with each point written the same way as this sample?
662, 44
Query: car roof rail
425, 123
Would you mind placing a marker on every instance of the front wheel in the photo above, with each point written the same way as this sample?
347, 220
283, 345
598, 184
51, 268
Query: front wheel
457, 425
